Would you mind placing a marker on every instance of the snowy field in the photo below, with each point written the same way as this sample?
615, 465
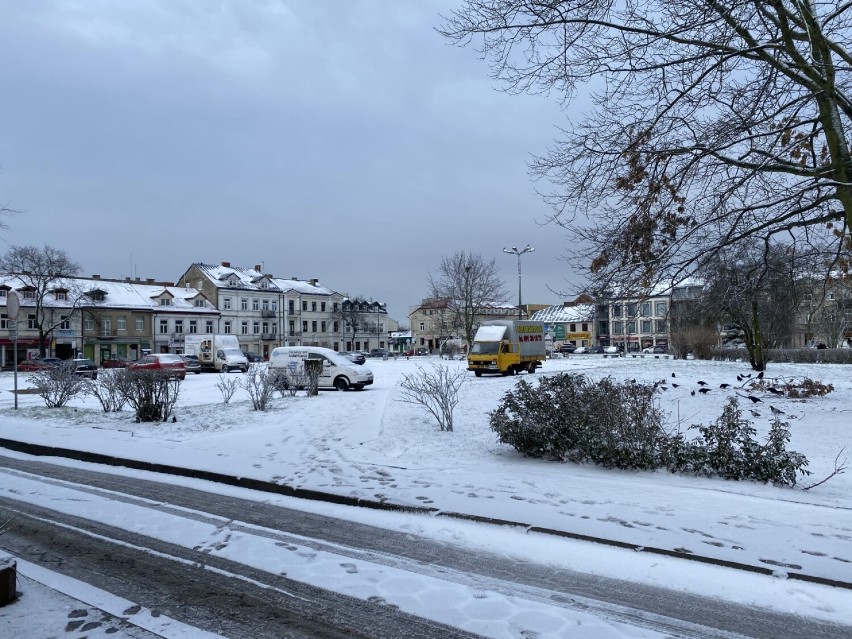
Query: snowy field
370, 445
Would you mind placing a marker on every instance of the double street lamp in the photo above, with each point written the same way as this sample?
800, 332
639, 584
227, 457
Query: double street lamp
515, 251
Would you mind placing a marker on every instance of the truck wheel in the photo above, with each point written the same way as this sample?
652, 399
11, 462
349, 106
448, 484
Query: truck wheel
477, 373
531, 368
341, 384
225, 368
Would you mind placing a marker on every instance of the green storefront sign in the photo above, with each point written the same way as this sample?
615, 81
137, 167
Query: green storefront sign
556, 330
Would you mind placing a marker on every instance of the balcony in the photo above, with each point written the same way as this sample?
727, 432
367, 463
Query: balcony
267, 313
267, 336
107, 332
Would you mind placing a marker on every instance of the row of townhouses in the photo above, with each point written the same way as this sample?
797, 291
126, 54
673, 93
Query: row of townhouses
102, 318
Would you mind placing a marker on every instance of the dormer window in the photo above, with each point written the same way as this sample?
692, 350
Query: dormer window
61, 295
165, 301
96, 295
199, 303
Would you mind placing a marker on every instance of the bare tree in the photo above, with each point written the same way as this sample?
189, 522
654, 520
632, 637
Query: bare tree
712, 122
468, 283
756, 292
436, 391
259, 386
44, 271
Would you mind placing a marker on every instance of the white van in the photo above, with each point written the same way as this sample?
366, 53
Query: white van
337, 371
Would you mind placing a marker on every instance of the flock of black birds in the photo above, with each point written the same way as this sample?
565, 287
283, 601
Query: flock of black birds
743, 379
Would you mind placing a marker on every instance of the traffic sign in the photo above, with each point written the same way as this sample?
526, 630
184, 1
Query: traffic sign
13, 305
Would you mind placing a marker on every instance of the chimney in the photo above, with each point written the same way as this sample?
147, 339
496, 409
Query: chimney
226, 264
257, 267
96, 277
313, 281
149, 280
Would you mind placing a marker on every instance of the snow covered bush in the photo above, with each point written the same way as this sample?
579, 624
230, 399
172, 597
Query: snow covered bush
151, 393
437, 391
571, 418
107, 389
259, 386
57, 385
227, 386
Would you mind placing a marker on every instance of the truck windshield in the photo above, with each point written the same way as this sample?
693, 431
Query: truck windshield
485, 348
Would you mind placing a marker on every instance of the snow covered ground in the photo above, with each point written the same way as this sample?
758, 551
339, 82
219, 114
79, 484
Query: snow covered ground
370, 445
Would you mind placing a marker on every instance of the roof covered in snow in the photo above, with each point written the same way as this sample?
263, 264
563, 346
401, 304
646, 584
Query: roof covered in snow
559, 314
251, 279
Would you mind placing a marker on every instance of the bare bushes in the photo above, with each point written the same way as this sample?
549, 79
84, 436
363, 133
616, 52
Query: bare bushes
619, 425
259, 386
436, 391
57, 385
151, 393
107, 389
227, 386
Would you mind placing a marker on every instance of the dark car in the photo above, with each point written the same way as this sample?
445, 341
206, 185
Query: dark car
379, 352
355, 357
597, 350
83, 367
253, 358
193, 364
161, 362
422, 351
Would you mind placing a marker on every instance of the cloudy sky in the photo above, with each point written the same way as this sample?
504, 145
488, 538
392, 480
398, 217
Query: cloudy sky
345, 141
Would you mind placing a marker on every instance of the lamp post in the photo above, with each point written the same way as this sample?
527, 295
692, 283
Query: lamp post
514, 251
378, 306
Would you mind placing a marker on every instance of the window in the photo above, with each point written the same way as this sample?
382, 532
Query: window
322, 307
165, 301
422, 327
226, 304
265, 328
2, 293
292, 327
304, 305
89, 324
208, 326
244, 328
631, 309
265, 305
199, 303
336, 328
244, 304
661, 309
631, 327
64, 322
646, 326
179, 326
661, 326
255, 328
61, 295
227, 328
274, 305
275, 328
291, 306
164, 326
4, 319
255, 304
121, 323
616, 310
617, 328
573, 328
314, 326
314, 307
646, 309
193, 326
140, 324
603, 328
106, 326
304, 326
322, 327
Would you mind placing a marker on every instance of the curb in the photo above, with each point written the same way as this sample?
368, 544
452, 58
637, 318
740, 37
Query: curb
342, 500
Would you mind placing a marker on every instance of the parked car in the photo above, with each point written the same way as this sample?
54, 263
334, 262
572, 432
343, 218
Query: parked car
580, 350
38, 364
660, 350
253, 358
648, 350
379, 352
567, 348
115, 361
422, 351
612, 350
83, 367
595, 350
355, 357
193, 364
161, 362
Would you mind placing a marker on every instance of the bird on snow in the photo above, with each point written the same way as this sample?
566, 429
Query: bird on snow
700, 383
760, 375
739, 378
746, 374
693, 392
703, 390
776, 411
775, 391
673, 375
675, 385
723, 385
753, 398
755, 413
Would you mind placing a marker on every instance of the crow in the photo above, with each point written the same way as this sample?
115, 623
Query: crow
775, 391
746, 374
755, 413
675, 385
760, 375
723, 385
673, 375
776, 411
753, 398
700, 383
739, 378
693, 392
703, 390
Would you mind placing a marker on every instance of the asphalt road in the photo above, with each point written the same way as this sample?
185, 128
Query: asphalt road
238, 601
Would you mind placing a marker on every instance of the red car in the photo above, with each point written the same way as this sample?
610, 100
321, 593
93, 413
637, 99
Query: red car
38, 364
160, 362
116, 361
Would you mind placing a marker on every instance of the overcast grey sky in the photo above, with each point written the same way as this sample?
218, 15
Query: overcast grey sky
342, 140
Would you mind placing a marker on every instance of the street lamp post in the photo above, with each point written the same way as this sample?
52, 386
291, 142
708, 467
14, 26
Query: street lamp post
378, 340
514, 251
